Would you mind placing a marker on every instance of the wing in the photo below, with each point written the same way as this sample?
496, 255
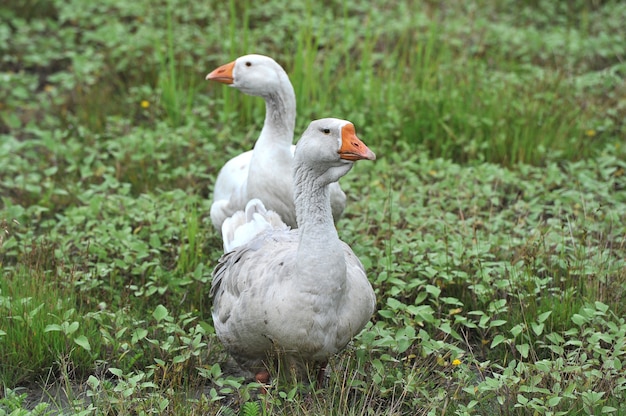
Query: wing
230, 190
259, 258
232, 176
244, 286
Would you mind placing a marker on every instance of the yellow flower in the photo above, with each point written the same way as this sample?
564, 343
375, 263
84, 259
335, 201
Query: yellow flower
590, 132
456, 361
145, 103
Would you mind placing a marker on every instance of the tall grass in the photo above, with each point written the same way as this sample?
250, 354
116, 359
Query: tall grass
418, 87
42, 327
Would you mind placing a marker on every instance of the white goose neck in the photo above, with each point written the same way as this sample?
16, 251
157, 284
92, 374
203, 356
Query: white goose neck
280, 115
319, 248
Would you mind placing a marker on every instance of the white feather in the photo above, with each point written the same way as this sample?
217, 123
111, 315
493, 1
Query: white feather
243, 226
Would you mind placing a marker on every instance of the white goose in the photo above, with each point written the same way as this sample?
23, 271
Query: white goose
265, 172
302, 292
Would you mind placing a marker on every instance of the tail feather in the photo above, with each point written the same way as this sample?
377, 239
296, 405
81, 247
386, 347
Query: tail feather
243, 226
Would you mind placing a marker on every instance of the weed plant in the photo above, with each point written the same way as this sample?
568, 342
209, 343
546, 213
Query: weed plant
491, 226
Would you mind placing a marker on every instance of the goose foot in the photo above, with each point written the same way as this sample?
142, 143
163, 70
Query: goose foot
263, 378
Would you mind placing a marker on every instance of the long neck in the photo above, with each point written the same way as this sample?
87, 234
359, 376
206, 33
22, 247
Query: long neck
272, 156
280, 116
320, 249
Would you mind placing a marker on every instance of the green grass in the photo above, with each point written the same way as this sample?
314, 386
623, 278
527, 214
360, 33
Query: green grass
41, 324
491, 225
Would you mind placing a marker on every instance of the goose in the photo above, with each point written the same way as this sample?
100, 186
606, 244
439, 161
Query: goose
265, 171
300, 292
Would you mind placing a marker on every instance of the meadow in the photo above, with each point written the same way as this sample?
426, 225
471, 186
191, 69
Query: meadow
492, 225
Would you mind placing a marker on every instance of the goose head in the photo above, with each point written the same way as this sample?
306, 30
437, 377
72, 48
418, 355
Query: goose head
257, 75
328, 148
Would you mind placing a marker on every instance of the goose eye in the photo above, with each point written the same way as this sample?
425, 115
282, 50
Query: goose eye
248, 63
326, 131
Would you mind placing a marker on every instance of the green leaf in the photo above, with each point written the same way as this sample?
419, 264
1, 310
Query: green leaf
543, 365
163, 403
378, 365
579, 319
517, 329
120, 332
52, 327
394, 304
290, 396
139, 334
160, 312
541, 318
83, 342
555, 338
71, 328
602, 307
179, 359
155, 242
12, 120
472, 404
497, 340
445, 327
523, 349
617, 364
537, 328
51, 170
433, 290
386, 313
93, 382
554, 401
403, 344
422, 312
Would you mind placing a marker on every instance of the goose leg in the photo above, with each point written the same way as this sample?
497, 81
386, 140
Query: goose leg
321, 374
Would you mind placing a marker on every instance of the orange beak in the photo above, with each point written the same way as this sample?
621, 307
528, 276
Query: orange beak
352, 148
223, 74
